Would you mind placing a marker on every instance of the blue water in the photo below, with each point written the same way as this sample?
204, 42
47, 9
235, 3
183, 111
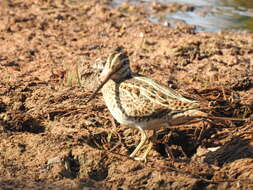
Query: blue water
209, 15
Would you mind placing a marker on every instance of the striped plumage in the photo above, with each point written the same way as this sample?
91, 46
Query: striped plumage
140, 102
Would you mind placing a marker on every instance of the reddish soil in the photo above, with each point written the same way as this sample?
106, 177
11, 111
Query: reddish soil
51, 139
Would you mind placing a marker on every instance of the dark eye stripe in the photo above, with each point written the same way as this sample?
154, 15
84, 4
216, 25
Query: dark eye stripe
116, 60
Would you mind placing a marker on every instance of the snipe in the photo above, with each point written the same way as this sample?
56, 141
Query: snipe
140, 102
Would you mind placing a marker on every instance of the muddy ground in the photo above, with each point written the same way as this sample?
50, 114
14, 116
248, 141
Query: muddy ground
51, 139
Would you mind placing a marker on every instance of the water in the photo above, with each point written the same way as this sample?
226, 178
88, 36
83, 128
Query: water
209, 15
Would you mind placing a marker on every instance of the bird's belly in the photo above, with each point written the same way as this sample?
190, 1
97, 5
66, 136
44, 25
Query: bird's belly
152, 124
132, 122
118, 114
121, 117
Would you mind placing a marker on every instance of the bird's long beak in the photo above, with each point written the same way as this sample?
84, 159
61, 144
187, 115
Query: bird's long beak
104, 80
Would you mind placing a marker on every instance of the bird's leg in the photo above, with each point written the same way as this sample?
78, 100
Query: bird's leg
143, 140
150, 145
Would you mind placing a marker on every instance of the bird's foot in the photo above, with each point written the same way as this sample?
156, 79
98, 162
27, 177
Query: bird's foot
142, 159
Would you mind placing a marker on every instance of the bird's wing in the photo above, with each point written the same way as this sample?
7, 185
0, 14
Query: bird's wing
141, 96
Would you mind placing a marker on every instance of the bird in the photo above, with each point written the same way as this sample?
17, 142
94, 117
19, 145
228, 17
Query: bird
139, 102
